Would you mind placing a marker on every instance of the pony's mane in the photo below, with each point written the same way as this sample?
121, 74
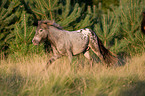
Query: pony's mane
57, 26
51, 23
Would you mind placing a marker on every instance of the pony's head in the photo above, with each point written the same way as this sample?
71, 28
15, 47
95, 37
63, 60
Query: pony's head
42, 31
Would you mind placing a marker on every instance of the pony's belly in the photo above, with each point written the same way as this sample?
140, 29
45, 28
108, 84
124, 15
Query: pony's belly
80, 45
80, 48
78, 51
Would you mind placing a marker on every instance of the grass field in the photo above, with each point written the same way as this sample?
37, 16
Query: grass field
24, 77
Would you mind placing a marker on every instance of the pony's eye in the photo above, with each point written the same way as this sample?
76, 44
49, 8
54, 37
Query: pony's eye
40, 30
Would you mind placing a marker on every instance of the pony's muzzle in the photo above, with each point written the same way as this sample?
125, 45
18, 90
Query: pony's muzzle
35, 41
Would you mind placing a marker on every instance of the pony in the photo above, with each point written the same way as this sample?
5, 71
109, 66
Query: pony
70, 43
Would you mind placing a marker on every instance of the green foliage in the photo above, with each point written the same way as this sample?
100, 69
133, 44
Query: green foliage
120, 28
9, 13
70, 17
132, 41
107, 28
21, 43
88, 20
106, 4
44, 9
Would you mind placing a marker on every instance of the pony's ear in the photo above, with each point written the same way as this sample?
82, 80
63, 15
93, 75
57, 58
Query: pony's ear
48, 22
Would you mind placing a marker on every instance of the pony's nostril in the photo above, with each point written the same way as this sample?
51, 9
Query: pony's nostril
35, 42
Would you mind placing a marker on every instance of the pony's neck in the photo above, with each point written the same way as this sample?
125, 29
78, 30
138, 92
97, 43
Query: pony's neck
54, 34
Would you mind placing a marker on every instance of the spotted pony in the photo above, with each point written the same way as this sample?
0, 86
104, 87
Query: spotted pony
71, 43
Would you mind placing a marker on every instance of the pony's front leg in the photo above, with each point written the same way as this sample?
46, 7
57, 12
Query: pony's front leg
52, 59
69, 53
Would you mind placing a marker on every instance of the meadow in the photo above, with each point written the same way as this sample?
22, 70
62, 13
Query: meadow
23, 76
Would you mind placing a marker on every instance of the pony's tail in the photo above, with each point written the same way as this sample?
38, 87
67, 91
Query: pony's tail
109, 57
104, 54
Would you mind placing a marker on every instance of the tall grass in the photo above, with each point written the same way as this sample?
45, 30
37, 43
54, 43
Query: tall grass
24, 77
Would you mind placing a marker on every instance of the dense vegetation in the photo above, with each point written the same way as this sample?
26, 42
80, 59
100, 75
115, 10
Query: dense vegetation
118, 26
116, 22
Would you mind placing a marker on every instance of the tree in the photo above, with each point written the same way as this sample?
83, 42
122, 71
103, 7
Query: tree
107, 28
21, 42
121, 27
129, 15
9, 13
70, 17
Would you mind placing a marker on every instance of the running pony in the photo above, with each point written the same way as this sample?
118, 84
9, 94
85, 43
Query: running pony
71, 43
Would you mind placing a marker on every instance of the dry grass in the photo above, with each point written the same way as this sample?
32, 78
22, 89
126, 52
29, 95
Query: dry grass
23, 76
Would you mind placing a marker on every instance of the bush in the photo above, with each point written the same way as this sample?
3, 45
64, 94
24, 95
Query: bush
121, 28
118, 28
9, 14
23, 33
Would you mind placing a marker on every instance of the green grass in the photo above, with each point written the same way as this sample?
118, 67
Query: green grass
24, 77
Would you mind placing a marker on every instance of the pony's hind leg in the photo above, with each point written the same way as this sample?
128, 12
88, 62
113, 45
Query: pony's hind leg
99, 49
87, 55
55, 56
98, 53
69, 53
